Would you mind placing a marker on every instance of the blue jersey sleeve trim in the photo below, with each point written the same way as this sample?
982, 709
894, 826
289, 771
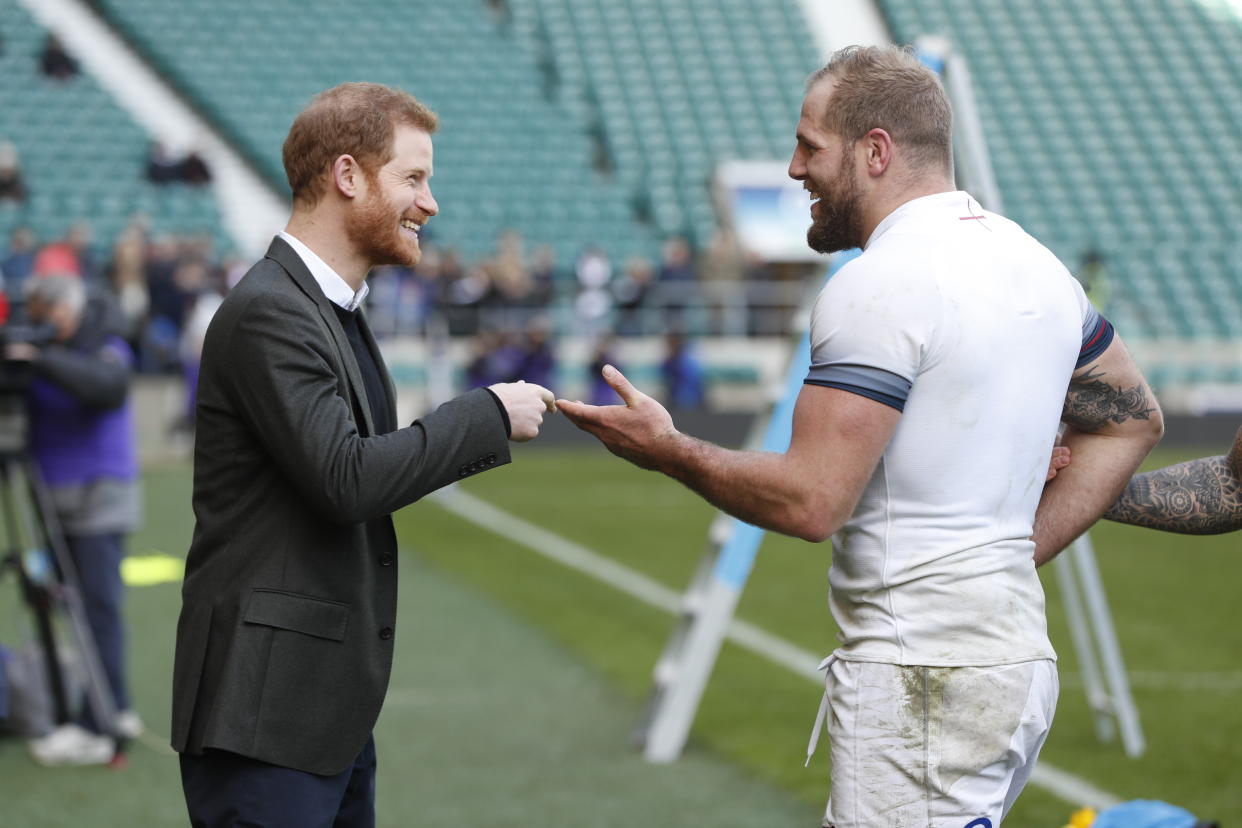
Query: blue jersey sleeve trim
1097, 335
873, 383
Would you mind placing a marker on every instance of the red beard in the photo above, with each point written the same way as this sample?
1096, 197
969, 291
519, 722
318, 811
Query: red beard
374, 228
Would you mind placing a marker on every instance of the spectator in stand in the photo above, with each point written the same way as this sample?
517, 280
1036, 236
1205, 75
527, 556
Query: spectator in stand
168, 303
12, 183
194, 170
536, 359
55, 62
677, 278
723, 261
1095, 279
676, 263
632, 292
202, 307
599, 392
594, 274
162, 166
18, 262
684, 384
465, 295
511, 279
481, 370
127, 275
72, 254
543, 276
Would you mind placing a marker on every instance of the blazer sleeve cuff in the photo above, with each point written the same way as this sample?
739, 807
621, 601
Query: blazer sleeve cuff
471, 432
504, 415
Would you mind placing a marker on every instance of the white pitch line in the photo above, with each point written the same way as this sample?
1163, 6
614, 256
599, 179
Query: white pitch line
1072, 789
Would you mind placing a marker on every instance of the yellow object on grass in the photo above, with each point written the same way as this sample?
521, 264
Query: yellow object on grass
148, 570
1082, 818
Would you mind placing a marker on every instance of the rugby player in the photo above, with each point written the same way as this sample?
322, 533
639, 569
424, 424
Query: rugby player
941, 359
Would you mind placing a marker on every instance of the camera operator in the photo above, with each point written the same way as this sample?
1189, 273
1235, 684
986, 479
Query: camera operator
82, 439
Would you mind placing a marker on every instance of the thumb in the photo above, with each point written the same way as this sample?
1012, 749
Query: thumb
628, 393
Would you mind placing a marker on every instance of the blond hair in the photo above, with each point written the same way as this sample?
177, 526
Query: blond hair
886, 87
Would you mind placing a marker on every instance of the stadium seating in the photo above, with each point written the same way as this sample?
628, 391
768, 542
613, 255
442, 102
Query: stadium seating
1116, 126
676, 87
82, 157
506, 156
529, 106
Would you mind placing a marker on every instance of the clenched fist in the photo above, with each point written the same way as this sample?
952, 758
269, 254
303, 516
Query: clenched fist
525, 404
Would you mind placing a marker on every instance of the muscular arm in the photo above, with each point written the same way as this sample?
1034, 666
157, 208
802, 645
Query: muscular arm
1111, 422
808, 491
1199, 497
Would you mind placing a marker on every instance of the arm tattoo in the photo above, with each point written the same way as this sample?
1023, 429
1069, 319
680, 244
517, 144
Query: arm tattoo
1091, 403
1200, 497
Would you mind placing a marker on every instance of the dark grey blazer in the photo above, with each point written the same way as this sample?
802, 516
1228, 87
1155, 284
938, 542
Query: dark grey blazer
284, 645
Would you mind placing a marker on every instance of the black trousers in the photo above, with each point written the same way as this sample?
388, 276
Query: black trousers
225, 790
97, 559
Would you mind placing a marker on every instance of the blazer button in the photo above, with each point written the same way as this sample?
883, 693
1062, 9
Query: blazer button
385, 560
385, 633
491, 459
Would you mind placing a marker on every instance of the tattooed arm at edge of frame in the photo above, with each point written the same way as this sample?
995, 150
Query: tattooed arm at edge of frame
1111, 421
1199, 497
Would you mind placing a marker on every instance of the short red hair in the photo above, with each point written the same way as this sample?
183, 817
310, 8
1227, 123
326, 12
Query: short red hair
355, 119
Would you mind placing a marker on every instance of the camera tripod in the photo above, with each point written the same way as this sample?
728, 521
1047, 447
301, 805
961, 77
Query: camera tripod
35, 550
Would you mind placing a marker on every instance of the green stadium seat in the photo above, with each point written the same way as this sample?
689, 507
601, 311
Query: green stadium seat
1078, 100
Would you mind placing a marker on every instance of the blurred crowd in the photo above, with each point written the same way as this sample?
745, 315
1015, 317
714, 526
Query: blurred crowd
513, 303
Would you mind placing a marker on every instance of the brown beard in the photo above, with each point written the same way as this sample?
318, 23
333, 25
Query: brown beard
839, 223
374, 228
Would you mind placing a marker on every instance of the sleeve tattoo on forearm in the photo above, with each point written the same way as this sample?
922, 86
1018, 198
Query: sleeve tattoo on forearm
1200, 497
1091, 403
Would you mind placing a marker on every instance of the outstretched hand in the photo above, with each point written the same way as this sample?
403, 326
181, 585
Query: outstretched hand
525, 403
640, 431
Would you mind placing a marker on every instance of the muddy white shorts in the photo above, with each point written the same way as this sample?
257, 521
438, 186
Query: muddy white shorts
932, 747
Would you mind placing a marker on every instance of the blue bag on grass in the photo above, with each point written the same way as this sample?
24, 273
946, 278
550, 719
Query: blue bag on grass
1146, 813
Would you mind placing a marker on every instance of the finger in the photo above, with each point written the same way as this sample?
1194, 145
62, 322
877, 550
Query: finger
628, 393
578, 413
549, 399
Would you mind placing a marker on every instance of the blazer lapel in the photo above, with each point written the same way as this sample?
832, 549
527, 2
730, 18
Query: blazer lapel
286, 257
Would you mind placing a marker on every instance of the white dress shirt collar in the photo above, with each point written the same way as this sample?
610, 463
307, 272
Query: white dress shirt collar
330, 282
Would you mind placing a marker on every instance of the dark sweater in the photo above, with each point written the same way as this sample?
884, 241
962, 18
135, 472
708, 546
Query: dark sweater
372, 379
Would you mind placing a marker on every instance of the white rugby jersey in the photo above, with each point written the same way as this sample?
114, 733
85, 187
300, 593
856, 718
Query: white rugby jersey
971, 328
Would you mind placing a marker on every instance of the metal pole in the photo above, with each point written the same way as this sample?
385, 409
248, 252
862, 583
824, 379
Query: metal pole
1080, 633
1106, 641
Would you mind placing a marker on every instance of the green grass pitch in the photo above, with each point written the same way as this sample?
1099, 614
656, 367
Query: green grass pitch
517, 678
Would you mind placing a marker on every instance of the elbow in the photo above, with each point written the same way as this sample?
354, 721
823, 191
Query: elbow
1155, 428
815, 522
338, 494
340, 508
813, 533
